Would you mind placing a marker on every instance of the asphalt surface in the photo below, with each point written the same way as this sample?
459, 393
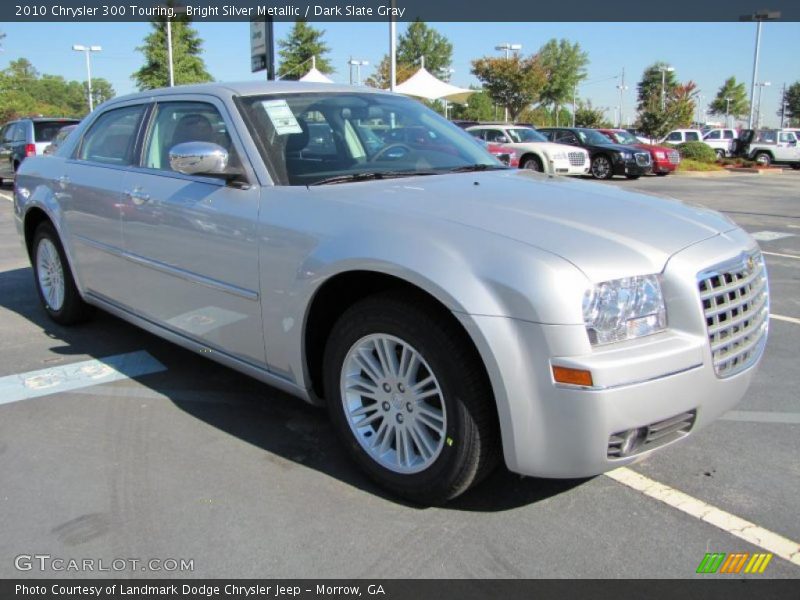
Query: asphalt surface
200, 463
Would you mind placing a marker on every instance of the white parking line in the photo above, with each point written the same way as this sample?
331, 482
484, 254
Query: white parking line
749, 532
43, 382
781, 255
783, 318
5, 196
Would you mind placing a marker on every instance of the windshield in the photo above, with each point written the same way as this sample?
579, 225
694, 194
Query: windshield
625, 137
589, 136
524, 135
311, 138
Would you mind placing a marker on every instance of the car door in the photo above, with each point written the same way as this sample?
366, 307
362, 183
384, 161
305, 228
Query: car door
786, 149
193, 240
6, 147
89, 189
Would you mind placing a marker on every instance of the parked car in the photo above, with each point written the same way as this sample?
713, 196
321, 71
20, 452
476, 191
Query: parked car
680, 136
768, 146
59, 139
665, 160
26, 137
607, 158
722, 140
531, 150
448, 310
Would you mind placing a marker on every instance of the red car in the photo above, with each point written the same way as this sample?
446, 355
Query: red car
665, 160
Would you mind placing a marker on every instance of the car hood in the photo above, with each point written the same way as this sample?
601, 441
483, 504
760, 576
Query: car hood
654, 148
547, 147
613, 146
604, 231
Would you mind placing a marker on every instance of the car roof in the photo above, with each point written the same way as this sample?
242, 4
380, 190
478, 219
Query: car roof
248, 88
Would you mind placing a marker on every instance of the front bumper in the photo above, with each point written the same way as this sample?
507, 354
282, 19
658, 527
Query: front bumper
554, 430
664, 166
631, 167
563, 166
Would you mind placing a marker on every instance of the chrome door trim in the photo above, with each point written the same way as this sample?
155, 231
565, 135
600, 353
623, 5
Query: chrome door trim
170, 270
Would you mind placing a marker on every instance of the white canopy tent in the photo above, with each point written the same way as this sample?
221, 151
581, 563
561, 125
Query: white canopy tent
316, 76
424, 85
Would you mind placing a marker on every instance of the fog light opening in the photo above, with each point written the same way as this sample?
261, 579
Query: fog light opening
632, 441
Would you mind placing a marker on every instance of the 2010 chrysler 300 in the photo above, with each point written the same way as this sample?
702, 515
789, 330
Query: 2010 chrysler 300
354, 249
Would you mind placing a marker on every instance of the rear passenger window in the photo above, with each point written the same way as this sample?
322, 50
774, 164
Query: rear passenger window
692, 136
111, 139
728, 134
675, 136
180, 122
713, 135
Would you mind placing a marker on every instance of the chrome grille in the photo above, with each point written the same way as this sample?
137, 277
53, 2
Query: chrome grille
653, 435
577, 159
642, 159
735, 299
674, 157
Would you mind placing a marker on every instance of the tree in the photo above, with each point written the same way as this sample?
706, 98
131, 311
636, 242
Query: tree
657, 117
565, 64
188, 65
420, 40
380, 77
738, 106
513, 82
588, 116
102, 90
479, 107
792, 101
296, 50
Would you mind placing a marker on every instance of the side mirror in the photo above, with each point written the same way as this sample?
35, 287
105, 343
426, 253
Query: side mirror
198, 158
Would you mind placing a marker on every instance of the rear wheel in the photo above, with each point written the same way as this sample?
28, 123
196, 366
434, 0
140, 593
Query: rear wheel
410, 399
763, 159
532, 163
720, 153
601, 167
54, 283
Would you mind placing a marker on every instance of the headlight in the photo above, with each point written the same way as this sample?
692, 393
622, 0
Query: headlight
661, 155
624, 309
558, 156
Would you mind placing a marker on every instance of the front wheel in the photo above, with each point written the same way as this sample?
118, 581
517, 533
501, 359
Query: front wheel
532, 163
54, 283
410, 399
763, 159
601, 167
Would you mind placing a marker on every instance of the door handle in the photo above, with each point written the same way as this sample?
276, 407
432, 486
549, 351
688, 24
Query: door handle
137, 196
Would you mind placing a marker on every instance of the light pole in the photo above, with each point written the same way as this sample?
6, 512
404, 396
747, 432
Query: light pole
759, 17
357, 64
445, 72
621, 87
783, 105
664, 70
505, 46
761, 85
700, 111
727, 112
87, 50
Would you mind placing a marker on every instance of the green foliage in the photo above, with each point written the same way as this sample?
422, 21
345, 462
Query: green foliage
739, 105
565, 64
479, 107
418, 40
421, 40
792, 100
296, 50
698, 151
24, 91
588, 116
188, 65
678, 106
691, 164
515, 82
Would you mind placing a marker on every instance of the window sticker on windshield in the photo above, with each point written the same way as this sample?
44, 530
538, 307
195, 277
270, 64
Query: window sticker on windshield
282, 117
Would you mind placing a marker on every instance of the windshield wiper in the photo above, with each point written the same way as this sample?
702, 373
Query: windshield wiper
351, 177
477, 167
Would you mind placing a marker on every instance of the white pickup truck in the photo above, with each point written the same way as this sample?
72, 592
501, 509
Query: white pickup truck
721, 140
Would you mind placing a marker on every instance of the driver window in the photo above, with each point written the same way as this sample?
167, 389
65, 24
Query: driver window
714, 135
179, 122
495, 135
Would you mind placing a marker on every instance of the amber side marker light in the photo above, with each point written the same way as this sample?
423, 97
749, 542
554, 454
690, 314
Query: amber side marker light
572, 376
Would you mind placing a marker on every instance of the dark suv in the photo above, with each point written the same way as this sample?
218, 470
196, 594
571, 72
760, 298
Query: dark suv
26, 137
608, 158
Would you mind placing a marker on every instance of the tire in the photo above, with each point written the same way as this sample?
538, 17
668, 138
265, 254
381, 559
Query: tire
532, 163
662, 173
632, 177
54, 283
720, 153
449, 445
763, 158
602, 167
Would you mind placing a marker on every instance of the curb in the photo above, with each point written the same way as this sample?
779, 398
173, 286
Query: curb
753, 171
723, 173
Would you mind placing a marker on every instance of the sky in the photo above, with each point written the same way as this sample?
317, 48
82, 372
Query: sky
706, 53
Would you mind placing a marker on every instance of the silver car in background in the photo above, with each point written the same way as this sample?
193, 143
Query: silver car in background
356, 250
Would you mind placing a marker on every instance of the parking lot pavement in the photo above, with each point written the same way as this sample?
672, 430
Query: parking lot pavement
196, 462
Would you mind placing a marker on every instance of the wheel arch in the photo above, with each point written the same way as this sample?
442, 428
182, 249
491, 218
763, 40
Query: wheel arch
34, 217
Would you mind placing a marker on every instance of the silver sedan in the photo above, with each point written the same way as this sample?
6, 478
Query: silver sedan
356, 250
